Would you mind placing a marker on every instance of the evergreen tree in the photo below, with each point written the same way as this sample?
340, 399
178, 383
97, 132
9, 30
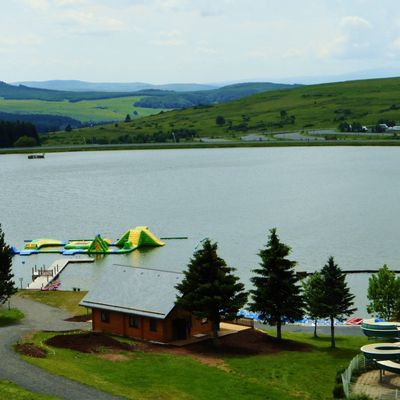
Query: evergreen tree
337, 301
277, 295
210, 289
313, 289
128, 118
7, 287
384, 294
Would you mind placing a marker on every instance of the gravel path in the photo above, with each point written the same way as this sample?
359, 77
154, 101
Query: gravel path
41, 317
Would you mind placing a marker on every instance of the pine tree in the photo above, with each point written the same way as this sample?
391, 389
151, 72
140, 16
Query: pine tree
337, 301
313, 289
277, 295
210, 289
7, 286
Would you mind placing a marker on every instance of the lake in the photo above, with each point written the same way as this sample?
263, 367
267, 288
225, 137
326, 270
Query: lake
340, 201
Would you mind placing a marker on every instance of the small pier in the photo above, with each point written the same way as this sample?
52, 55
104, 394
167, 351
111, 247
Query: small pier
43, 278
34, 156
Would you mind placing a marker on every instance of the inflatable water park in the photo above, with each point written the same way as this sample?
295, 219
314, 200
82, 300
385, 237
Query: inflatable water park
128, 242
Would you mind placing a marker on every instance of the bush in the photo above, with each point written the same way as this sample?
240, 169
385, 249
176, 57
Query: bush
220, 120
338, 392
339, 375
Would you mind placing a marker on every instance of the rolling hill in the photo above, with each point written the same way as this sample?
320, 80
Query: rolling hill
301, 108
82, 86
100, 107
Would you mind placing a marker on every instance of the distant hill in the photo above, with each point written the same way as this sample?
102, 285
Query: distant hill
162, 99
82, 86
297, 109
21, 92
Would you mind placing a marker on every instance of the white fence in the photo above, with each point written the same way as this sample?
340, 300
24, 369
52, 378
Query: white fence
357, 363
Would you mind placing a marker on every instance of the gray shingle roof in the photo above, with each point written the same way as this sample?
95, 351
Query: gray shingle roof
133, 290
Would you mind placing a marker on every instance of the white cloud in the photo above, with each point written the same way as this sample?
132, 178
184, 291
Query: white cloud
24, 40
356, 40
355, 21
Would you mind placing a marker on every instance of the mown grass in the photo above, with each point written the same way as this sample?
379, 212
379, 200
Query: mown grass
10, 317
314, 106
11, 391
102, 110
285, 375
68, 301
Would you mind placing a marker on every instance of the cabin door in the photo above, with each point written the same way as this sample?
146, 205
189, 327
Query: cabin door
179, 329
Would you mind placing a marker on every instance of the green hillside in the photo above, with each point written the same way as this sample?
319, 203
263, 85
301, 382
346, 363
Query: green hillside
302, 108
96, 107
101, 110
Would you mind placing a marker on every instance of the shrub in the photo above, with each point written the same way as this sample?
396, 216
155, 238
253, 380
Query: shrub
338, 392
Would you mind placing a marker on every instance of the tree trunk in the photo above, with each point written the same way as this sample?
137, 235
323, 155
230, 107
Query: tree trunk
279, 329
215, 329
333, 344
315, 328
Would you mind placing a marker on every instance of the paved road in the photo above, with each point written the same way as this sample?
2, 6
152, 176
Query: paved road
41, 317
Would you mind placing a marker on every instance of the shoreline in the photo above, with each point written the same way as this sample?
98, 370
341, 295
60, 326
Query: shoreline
195, 145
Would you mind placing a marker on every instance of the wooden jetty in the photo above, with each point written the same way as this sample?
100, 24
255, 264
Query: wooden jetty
43, 278
34, 156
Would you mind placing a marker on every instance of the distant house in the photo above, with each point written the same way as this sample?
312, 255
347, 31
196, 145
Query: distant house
140, 303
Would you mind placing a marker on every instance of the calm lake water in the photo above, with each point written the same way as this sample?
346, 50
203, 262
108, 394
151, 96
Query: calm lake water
326, 201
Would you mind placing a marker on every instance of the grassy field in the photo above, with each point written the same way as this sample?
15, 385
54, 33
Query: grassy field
85, 111
13, 392
300, 109
148, 375
68, 301
10, 317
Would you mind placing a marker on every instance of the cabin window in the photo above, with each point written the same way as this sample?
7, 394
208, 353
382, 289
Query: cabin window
134, 321
105, 316
204, 321
153, 325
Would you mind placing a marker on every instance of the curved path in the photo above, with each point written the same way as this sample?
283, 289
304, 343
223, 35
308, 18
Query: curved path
41, 317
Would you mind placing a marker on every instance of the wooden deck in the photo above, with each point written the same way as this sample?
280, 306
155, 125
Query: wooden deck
225, 329
44, 278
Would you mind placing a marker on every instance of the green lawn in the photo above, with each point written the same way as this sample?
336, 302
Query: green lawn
286, 375
114, 109
69, 301
10, 317
13, 392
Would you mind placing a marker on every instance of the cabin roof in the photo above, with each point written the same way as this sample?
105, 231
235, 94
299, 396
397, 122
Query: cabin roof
131, 290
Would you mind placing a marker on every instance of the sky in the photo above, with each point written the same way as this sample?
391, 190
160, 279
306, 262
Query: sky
204, 41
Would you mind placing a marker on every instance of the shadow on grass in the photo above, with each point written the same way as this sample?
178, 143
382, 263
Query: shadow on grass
10, 317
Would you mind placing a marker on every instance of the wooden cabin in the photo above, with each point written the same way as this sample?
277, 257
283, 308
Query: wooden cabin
140, 303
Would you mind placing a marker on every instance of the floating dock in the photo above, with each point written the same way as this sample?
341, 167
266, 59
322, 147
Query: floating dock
43, 279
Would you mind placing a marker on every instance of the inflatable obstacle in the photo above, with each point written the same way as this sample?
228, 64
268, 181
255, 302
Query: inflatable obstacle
129, 241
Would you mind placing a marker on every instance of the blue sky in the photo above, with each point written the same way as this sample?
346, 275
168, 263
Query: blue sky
161, 41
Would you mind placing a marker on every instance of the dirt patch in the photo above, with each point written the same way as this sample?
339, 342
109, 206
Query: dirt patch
31, 350
248, 342
245, 343
114, 357
88, 343
79, 318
